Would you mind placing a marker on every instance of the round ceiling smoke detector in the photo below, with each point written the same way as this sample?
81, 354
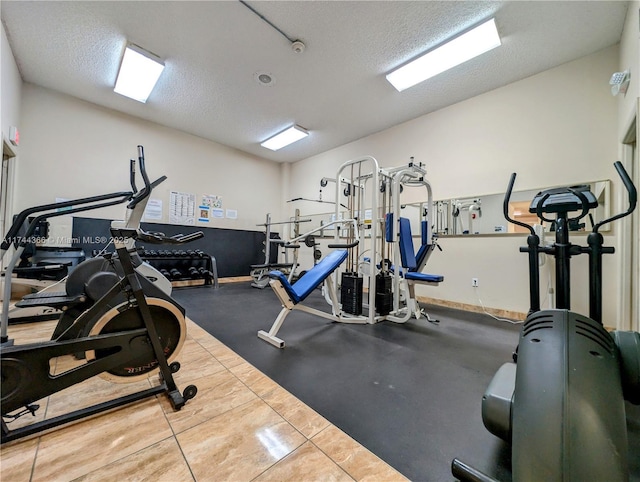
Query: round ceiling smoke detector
298, 47
264, 78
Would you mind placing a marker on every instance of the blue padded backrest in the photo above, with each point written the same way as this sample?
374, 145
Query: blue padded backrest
407, 253
388, 228
424, 249
312, 278
279, 275
422, 252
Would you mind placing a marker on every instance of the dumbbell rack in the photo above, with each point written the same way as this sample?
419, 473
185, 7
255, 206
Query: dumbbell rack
183, 267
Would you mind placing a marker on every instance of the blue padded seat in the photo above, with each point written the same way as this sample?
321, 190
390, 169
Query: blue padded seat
424, 277
312, 278
408, 256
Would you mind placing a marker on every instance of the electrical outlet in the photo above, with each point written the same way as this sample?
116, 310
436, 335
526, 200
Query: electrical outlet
474, 282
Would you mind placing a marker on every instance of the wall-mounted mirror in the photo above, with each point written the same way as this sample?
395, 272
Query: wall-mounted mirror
477, 214
483, 214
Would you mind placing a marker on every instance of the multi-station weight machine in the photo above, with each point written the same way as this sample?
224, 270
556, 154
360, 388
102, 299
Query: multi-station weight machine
260, 272
371, 275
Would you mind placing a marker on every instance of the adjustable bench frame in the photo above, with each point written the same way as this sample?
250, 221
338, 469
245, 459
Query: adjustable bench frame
291, 299
288, 306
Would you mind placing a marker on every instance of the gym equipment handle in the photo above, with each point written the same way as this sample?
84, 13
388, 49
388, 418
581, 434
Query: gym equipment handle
22, 217
148, 185
633, 195
160, 238
628, 184
350, 245
132, 174
533, 248
466, 473
505, 206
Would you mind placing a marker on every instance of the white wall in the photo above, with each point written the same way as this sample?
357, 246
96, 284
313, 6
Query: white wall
557, 127
10, 96
10, 88
629, 60
71, 148
628, 315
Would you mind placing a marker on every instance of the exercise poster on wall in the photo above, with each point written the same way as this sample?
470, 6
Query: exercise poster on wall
182, 208
153, 211
205, 214
212, 201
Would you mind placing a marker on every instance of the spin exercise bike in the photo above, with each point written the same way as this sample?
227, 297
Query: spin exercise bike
561, 404
126, 335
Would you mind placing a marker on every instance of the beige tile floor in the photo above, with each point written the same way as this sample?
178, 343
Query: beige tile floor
241, 426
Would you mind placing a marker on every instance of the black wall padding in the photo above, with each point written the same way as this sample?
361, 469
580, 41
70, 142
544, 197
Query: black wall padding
234, 250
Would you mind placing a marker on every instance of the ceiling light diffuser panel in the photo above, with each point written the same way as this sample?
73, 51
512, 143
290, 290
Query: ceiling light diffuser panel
139, 72
475, 42
286, 137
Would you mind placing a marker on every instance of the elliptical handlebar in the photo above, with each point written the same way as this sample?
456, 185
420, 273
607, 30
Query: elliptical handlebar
143, 169
117, 197
631, 190
132, 174
628, 184
83, 204
148, 185
505, 206
533, 248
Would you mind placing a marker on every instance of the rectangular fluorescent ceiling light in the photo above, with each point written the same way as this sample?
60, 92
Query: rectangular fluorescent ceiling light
286, 137
476, 41
138, 73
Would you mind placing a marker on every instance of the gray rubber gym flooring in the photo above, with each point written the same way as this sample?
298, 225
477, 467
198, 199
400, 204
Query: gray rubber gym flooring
409, 393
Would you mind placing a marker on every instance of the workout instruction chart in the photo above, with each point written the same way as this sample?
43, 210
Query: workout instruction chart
182, 208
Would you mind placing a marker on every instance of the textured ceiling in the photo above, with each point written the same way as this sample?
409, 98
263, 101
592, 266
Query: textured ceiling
336, 88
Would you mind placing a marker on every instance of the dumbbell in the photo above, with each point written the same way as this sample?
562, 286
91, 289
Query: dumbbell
175, 273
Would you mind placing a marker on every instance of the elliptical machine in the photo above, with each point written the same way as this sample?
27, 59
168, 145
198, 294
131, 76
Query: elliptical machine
125, 335
561, 406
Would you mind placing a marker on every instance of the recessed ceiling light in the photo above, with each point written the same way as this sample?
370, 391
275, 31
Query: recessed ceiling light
286, 137
476, 41
265, 78
139, 72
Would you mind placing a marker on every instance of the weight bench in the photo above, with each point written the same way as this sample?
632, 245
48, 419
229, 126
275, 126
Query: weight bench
292, 295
